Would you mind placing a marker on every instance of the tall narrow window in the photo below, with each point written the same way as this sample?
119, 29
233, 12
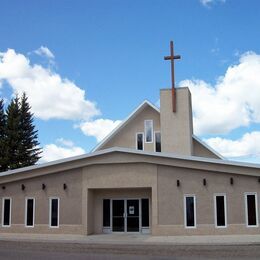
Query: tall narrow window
29, 213
106, 213
139, 141
54, 212
6, 212
190, 211
157, 136
220, 211
145, 212
251, 209
148, 126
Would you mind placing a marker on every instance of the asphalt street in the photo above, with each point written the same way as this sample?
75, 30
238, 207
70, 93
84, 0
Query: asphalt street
51, 251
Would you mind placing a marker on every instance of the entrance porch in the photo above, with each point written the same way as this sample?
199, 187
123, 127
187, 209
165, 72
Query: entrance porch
119, 211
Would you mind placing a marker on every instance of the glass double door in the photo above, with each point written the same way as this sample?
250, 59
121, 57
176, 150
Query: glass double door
126, 215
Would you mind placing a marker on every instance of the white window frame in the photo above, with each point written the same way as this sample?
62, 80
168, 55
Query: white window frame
246, 209
195, 211
215, 209
25, 215
156, 132
136, 144
50, 202
145, 131
3, 199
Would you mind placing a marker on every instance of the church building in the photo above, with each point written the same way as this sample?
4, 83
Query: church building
150, 175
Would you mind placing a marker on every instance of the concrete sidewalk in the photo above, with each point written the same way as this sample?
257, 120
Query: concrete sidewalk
135, 239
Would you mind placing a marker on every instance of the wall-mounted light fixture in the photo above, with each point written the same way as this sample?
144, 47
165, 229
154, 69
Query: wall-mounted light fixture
204, 182
3, 187
43, 186
259, 179
231, 181
64, 186
23, 187
178, 183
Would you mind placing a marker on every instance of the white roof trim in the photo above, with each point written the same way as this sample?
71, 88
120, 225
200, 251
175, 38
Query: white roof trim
208, 147
132, 151
125, 122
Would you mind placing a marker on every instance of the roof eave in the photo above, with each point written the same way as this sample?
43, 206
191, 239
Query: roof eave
132, 151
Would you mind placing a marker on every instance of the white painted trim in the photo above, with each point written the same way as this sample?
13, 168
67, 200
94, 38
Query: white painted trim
10, 220
215, 209
184, 211
148, 120
246, 209
156, 132
58, 220
25, 213
125, 122
208, 147
136, 140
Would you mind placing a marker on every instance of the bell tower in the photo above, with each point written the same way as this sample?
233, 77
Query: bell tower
176, 116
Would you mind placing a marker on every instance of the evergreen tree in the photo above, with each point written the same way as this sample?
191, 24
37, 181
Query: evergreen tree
3, 163
28, 149
13, 140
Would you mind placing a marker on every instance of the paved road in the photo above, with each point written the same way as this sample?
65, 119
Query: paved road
64, 251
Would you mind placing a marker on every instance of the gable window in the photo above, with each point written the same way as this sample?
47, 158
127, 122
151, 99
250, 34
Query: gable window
148, 127
54, 212
139, 141
29, 212
220, 211
251, 209
157, 137
6, 212
190, 211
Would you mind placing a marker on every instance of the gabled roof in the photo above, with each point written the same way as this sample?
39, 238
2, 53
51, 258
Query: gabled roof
140, 108
133, 115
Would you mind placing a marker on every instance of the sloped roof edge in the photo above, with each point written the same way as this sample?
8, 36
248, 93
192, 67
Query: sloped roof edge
208, 147
132, 151
125, 122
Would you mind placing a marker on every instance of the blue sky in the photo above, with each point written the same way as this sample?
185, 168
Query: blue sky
113, 50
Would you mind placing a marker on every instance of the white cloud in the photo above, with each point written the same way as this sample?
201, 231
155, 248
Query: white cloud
65, 142
215, 50
50, 95
248, 145
98, 128
44, 52
208, 3
232, 102
52, 152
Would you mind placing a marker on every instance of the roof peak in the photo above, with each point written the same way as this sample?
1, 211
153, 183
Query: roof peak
125, 121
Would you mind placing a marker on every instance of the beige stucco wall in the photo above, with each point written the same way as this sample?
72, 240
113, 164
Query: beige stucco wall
118, 180
127, 136
70, 202
176, 128
167, 205
132, 175
202, 151
171, 201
